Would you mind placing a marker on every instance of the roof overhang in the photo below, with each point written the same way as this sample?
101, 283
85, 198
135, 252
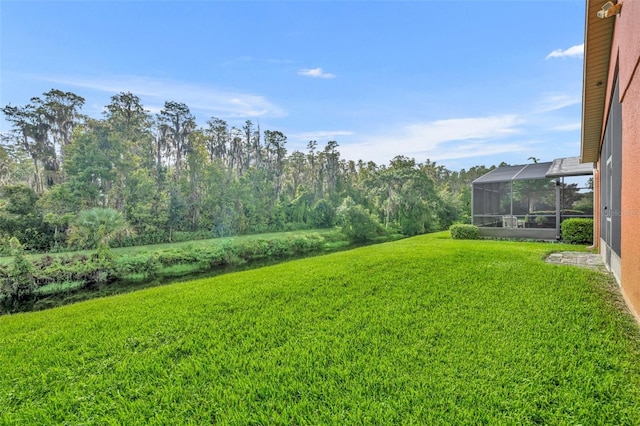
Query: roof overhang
570, 166
597, 56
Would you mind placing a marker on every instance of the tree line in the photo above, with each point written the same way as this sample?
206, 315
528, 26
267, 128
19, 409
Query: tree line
166, 178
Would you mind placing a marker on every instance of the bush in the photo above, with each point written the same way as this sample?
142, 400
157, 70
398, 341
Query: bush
16, 281
323, 215
577, 231
357, 223
464, 232
145, 264
307, 243
248, 250
22, 280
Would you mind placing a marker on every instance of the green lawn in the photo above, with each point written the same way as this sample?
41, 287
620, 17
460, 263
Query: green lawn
425, 330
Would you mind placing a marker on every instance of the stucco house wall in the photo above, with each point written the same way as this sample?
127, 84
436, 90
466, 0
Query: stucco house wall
630, 278
624, 65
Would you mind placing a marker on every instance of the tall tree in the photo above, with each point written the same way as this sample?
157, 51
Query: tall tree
95, 159
44, 128
253, 148
331, 165
179, 124
129, 126
63, 114
197, 163
314, 180
217, 134
406, 194
132, 123
276, 152
296, 167
30, 130
234, 150
127, 116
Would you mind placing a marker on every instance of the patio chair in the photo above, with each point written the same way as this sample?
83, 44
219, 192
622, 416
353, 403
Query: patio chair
509, 222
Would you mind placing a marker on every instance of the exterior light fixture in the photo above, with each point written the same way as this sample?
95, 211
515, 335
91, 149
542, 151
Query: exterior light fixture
609, 9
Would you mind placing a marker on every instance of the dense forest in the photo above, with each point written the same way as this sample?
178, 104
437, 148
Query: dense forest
69, 181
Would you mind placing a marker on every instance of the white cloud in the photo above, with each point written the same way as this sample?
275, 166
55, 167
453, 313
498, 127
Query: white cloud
436, 132
555, 101
208, 100
572, 52
442, 139
316, 73
479, 149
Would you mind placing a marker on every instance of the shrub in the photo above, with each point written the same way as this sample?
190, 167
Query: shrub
323, 215
48, 270
101, 267
5, 248
48, 275
16, 281
357, 223
252, 249
464, 232
146, 264
212, 256
307, 243
177, 256
334, 236
577, 231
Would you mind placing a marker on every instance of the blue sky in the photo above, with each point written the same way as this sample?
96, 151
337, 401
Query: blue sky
459, 82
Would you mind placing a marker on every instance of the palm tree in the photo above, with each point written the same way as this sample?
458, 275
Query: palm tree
97, 227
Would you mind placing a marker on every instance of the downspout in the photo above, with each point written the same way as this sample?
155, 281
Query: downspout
558, 207
472, 216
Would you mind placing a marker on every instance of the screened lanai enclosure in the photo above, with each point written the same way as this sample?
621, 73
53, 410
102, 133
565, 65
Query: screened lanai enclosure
532, 200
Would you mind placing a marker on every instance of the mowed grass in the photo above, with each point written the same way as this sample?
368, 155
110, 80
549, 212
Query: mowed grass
425, 330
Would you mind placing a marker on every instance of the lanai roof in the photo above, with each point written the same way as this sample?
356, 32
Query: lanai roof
520, 172
557, 168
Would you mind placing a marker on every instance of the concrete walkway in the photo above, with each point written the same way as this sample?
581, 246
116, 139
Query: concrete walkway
583, 260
